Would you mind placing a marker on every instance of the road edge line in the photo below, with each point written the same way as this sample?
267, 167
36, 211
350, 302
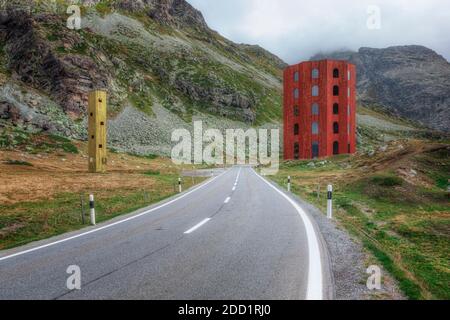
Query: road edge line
113, 224
315, 272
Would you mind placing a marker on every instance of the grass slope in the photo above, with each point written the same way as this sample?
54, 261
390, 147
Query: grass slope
45, 178
396, 202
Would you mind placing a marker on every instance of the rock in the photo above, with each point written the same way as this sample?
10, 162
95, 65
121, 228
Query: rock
413, 173
177, 13
10, 112
383, 148
411, 81
67, 79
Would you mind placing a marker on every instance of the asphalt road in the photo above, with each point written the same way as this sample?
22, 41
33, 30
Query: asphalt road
234, 237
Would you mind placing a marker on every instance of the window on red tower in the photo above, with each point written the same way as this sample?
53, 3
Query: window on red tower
296, 76
335, 128
315, 109
315, 91
336, 148
296, 129
315, 74
336, 73
336, 91
315, 128
296, 151
296, 111
296, 93
335, 108
315, 149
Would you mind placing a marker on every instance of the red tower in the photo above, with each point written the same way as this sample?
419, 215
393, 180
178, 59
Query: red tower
319, 109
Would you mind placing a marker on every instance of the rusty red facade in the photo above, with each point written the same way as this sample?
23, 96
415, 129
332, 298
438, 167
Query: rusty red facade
319, 109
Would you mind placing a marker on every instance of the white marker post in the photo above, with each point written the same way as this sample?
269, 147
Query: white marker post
92, 206
330, 202
180, 189
289, 184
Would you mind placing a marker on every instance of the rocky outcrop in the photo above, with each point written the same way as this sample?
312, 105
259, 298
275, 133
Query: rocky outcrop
178, 13
157, 59
261, 53
410, 81
33, 61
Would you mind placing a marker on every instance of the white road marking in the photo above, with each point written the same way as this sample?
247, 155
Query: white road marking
198, 226
234, 188
227, 200
315, 282
237, 178
112, 224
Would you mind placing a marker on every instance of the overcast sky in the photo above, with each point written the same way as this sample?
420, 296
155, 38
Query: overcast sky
297, 29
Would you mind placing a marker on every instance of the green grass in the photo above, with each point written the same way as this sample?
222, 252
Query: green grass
151, 156
52, 37
405, 226
152, 173
142, 102
386, 180
18, 163
12, 138
3, 59
103, 7
411, 289
80, 48
25, 222
144, 156
417, 248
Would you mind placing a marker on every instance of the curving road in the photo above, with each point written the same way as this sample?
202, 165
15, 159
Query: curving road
234, 237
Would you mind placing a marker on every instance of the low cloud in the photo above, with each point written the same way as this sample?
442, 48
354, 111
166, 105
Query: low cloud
297, 29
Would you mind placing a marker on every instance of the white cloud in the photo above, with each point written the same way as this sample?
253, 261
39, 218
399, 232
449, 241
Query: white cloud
297, 29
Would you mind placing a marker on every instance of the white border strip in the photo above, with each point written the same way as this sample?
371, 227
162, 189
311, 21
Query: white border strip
315, 281
112, 224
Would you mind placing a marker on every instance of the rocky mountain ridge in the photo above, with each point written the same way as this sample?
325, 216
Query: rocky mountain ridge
410, 81
65, 64
150, 55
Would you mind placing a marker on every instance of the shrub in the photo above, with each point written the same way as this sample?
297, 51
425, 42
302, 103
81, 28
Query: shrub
387, 180
152, 173
18, 163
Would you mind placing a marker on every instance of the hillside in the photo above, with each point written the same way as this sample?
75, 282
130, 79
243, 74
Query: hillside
410, 81
159, 61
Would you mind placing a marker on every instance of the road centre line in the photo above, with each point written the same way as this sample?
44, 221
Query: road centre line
112, 224
198, 226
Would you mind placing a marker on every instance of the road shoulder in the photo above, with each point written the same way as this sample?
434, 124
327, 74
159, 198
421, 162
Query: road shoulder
343, 257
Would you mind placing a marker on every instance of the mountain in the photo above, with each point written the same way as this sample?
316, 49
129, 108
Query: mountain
410, 81
158, 59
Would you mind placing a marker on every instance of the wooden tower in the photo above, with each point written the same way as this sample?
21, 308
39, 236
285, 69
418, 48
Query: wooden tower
97, 132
